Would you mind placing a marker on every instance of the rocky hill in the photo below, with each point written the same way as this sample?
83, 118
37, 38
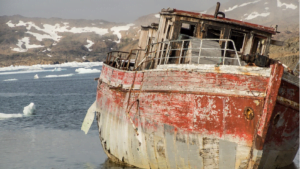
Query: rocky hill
27, 41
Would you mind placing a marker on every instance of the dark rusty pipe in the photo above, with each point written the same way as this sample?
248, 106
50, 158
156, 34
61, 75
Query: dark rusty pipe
217, 12
217, 9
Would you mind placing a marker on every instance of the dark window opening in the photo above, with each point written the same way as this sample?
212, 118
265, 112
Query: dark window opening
238, 38
257, 46
187, 29
213, 34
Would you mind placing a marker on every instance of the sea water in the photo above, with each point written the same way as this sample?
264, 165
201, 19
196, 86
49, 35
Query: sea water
40, 118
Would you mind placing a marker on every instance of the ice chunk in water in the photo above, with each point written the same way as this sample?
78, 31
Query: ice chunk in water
29, 110
36, 76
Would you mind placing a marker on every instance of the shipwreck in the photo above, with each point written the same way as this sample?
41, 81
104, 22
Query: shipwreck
199, 92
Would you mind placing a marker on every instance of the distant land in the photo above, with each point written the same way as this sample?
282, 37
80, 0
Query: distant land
28, 41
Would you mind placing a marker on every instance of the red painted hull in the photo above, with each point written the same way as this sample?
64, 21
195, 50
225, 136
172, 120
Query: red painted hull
215, 108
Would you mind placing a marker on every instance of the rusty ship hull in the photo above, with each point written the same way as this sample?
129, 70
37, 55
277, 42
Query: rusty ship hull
199, 117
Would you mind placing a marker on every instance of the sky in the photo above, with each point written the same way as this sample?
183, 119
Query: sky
109, 10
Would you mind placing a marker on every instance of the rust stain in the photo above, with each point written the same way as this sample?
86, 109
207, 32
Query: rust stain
217, 69
288, 102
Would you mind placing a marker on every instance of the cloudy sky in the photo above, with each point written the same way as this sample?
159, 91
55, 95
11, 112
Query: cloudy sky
110, 10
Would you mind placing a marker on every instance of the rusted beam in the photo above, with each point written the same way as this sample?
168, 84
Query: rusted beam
287, 102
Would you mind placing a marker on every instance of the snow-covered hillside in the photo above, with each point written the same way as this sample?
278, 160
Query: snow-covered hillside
266, 12
52, 32
54, 40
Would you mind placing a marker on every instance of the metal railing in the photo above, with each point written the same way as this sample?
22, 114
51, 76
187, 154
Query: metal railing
122, 60
190, 51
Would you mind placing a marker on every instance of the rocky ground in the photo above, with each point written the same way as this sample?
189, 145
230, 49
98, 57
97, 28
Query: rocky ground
72, 46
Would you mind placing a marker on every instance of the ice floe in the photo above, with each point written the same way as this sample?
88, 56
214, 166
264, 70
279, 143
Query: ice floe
116, 30
36, 76
57, 69
7, 80
84, 70
65, 75
28, 110
40, 68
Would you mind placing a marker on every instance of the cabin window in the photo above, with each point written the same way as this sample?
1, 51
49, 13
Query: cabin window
187, 29
258, 45
213, 33
238, 39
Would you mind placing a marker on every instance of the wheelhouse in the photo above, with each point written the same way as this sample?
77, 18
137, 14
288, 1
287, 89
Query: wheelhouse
183, 37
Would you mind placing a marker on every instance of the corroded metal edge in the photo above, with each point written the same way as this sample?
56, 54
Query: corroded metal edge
290, 78
288, 102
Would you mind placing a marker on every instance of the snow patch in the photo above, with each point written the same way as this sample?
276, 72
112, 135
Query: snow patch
49, 55
84, 70
51, 31
291, 6
116, 30
256, 14
25, 41
231, 8
244, 4
247, 3
90, 44
9, 24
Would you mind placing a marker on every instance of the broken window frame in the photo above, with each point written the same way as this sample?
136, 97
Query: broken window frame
240, 50
258, 44
190, 24
218, 28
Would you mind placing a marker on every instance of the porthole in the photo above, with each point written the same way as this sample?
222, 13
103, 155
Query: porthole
249, 113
